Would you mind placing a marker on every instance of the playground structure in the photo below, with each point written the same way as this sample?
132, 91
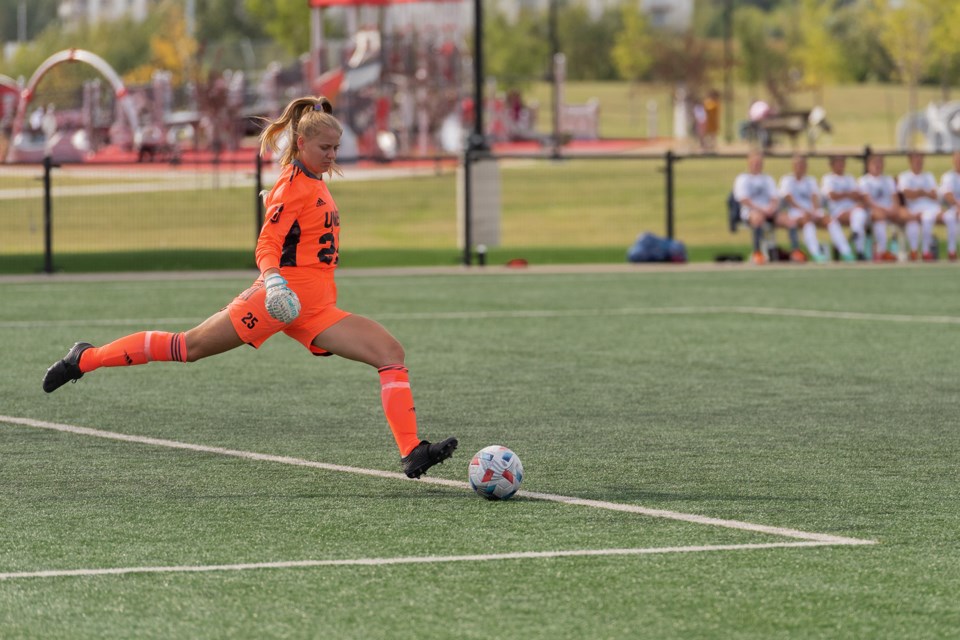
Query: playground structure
402, 75
136, 120
45, 137
400, 84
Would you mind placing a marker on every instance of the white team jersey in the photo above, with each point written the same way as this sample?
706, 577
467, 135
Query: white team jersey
950, 183
801, 190
760, 188
923, 181
881, 189
832, 183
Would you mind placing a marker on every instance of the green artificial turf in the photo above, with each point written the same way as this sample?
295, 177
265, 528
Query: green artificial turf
816, 399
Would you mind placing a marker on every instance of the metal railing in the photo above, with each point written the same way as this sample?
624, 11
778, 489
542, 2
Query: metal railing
548, 199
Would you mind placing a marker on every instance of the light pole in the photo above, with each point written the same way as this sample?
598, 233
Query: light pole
477, 140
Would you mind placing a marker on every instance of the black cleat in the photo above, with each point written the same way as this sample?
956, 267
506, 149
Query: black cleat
66, 369
425, 455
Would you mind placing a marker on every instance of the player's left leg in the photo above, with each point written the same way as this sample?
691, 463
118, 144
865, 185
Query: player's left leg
928, 219
790, 222
949, 218
879, 223
810, 223
839, 240
361, 339
858, 225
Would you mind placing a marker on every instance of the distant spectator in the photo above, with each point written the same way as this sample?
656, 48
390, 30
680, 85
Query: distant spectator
950, 192
48, 123
842, 197
759, 110
699, 123
882, 204
921, 201
759, 202
35, 120
801, 194
711, 107
753, 128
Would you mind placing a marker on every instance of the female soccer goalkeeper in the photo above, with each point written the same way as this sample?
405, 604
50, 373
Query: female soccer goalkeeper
297, 253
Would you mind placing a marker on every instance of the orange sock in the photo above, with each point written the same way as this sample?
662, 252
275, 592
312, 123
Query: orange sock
137, 348
398, 406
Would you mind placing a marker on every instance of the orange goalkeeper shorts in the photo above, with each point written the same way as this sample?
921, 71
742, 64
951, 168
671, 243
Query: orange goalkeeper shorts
317, 292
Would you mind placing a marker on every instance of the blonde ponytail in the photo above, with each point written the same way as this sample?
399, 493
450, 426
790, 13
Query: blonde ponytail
305, 117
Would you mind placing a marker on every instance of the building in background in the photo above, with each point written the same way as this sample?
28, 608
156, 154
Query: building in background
669, 15
77, 12
672, 15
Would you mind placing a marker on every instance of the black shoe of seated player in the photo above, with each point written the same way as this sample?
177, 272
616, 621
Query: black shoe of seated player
65, 370
425, 455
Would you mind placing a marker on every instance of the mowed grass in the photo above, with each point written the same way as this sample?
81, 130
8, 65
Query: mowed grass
859, 114
581, 210
577, 210
817, 399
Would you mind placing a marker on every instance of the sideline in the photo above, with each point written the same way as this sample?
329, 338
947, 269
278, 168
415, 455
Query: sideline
547, 269
503, 314
800, 538
368, 562
597, 504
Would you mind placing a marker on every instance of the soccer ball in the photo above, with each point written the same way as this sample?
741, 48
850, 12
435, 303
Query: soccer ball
496, 472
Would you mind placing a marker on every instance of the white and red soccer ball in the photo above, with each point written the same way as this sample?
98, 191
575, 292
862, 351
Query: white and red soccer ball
496, 472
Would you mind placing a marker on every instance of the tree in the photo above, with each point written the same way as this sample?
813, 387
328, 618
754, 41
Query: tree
171, 48
123, 44
219, 20
286, 21
763, 57
586, 43
864, 57
945, 40
904, 30
816, 50
632, 45
516, 54
227, 35
39, 15
685, 59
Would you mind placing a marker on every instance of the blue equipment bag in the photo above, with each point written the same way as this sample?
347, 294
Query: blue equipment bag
651, 248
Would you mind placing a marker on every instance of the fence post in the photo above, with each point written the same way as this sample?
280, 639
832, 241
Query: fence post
467, 207
47, 215
669, 200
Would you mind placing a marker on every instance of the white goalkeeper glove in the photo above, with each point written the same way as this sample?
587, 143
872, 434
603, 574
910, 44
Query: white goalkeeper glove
281, 302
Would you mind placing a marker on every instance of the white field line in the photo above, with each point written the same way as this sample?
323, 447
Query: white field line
762, 311
821, 538
106, 322
296, 564
174, 181
539, 313
106, 189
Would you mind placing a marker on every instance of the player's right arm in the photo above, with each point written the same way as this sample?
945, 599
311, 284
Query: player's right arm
283, 205
947, 188
281, 301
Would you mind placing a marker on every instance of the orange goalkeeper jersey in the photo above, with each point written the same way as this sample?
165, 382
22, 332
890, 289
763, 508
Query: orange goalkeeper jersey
302, 226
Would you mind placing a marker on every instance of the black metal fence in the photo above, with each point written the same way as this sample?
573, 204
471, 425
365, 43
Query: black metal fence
544, 206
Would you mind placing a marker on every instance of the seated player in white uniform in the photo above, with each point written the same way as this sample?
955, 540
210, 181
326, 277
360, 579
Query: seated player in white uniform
842, 199
882, 203
759, 202
921, 199
950, 192
800, 192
